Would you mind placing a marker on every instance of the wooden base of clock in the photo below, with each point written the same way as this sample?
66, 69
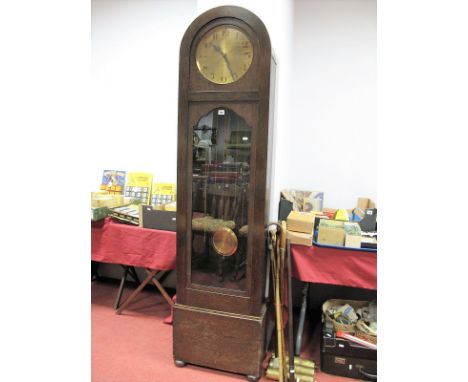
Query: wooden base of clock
219, 340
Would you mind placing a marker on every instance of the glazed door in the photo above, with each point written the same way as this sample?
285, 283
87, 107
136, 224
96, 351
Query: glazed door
221, 154
220, 207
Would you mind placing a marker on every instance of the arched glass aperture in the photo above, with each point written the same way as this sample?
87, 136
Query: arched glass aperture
220, 185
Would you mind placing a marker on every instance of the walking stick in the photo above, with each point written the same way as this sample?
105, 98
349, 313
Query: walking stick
280, 259
277, 268
290, 315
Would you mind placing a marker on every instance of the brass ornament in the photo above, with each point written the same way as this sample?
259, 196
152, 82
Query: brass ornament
225, 241
224, 54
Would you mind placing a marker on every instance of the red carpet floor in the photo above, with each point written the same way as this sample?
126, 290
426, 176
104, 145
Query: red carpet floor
136, 346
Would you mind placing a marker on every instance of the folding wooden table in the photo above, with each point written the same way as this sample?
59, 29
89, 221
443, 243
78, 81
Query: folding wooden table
131, 246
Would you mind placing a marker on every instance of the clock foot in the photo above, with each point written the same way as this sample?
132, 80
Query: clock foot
180, 363
252, 378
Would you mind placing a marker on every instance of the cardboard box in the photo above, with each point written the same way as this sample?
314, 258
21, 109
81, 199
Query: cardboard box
332, 223
352, 241
301, 221
352, 228
99, 213
300, 238
331, 232
352, 235
362, 205
104, 199
317, 220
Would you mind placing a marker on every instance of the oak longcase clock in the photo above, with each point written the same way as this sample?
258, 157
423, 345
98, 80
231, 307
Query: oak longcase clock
226, 100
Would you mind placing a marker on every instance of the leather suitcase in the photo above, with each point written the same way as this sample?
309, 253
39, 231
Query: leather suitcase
358, 368
342, 357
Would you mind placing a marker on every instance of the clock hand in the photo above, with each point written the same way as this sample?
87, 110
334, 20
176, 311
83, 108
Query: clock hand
228, 65
218, 49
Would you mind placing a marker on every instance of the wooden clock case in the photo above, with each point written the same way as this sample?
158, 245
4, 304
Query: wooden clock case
214, 326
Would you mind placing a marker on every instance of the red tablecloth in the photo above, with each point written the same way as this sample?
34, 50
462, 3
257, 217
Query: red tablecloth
335, 266
112, 242
116, 243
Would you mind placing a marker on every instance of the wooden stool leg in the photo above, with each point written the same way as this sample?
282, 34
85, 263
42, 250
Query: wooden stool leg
134, 275
122, 283
136, 291
160, 287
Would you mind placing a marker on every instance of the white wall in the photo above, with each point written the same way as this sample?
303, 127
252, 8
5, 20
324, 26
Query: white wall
326, 106
135, 69
332, 145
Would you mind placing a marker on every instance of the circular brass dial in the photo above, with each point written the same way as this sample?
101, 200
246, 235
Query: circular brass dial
224, 54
